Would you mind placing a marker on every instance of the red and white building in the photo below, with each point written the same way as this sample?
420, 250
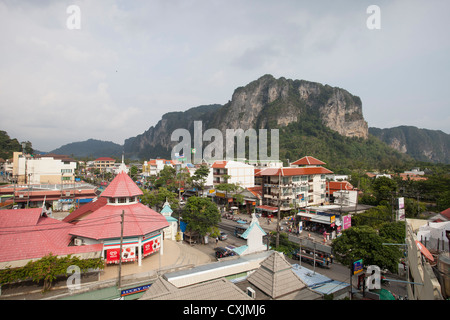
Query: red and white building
239, 172
301, 185
342, 192
29, 234
104, 163
99, 222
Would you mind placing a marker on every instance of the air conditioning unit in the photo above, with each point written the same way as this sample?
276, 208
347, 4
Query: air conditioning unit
78, 242
251, 293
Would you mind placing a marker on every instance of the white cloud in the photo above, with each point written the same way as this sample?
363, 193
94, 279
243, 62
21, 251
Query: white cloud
133, 61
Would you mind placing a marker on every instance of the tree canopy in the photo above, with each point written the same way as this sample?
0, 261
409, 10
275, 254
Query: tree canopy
157, 198
201, 215
48, 268
365, 243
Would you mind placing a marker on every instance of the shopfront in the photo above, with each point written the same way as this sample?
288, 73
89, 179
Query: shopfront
133, 249
267, 211
322, 223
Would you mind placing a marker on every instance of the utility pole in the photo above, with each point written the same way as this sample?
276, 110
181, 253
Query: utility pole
278, 212
122, 216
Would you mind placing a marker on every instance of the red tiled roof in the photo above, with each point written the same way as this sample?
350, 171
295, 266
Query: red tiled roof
446, 213
256, 191
267, 208
104, 223
122, 186
104, 159
339, 185
86, 209
219, 164
152, 162
308, 161
25, 234
293, 171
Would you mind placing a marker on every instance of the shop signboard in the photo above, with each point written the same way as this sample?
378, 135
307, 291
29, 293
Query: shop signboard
112, 255
151, 246
357, 266
127, 292
332, 221
128, 254
347, 222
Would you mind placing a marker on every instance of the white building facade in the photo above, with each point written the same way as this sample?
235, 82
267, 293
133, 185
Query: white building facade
239, 172
44, 169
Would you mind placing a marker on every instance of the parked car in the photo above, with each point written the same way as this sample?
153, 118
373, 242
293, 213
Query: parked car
223, 236
222, 252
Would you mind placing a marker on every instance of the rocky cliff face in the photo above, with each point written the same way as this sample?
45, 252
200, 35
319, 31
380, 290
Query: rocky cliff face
421, 144
279, 102
263, 103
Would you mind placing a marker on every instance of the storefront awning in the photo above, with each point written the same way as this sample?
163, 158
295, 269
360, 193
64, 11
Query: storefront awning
315, 218
267, 208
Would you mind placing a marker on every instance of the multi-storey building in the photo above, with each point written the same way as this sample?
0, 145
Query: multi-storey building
303, 184
104, 163
154, 166
43, 169
238, 172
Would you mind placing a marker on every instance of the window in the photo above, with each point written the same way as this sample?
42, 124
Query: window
66, 170
122, 200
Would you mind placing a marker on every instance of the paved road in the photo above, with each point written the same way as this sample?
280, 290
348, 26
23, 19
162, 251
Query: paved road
337, 271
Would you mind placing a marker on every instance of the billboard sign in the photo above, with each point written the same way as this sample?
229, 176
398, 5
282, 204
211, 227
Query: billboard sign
347, 222
357, 266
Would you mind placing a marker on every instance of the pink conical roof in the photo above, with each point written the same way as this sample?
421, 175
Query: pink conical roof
122, 186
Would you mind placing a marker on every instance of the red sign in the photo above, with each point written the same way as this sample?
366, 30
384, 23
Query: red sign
112, 255
151, 246
128, 254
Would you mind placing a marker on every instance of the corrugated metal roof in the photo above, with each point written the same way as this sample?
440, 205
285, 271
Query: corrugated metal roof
309, 277
330, 287
216, 270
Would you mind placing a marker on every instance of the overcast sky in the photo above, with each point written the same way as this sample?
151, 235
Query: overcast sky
132, 61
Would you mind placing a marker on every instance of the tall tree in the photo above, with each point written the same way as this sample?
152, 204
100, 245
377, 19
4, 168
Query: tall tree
198, 179
201, 215
383, 188
167, 178
157, 198
365, 243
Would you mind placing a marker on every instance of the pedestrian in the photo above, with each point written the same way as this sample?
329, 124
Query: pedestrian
217, 240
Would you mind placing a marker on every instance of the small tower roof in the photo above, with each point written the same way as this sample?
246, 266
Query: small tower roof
166, 208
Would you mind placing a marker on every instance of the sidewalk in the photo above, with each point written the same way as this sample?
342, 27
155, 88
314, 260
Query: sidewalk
176, 255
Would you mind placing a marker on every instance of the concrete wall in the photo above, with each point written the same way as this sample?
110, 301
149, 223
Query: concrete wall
425, 286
